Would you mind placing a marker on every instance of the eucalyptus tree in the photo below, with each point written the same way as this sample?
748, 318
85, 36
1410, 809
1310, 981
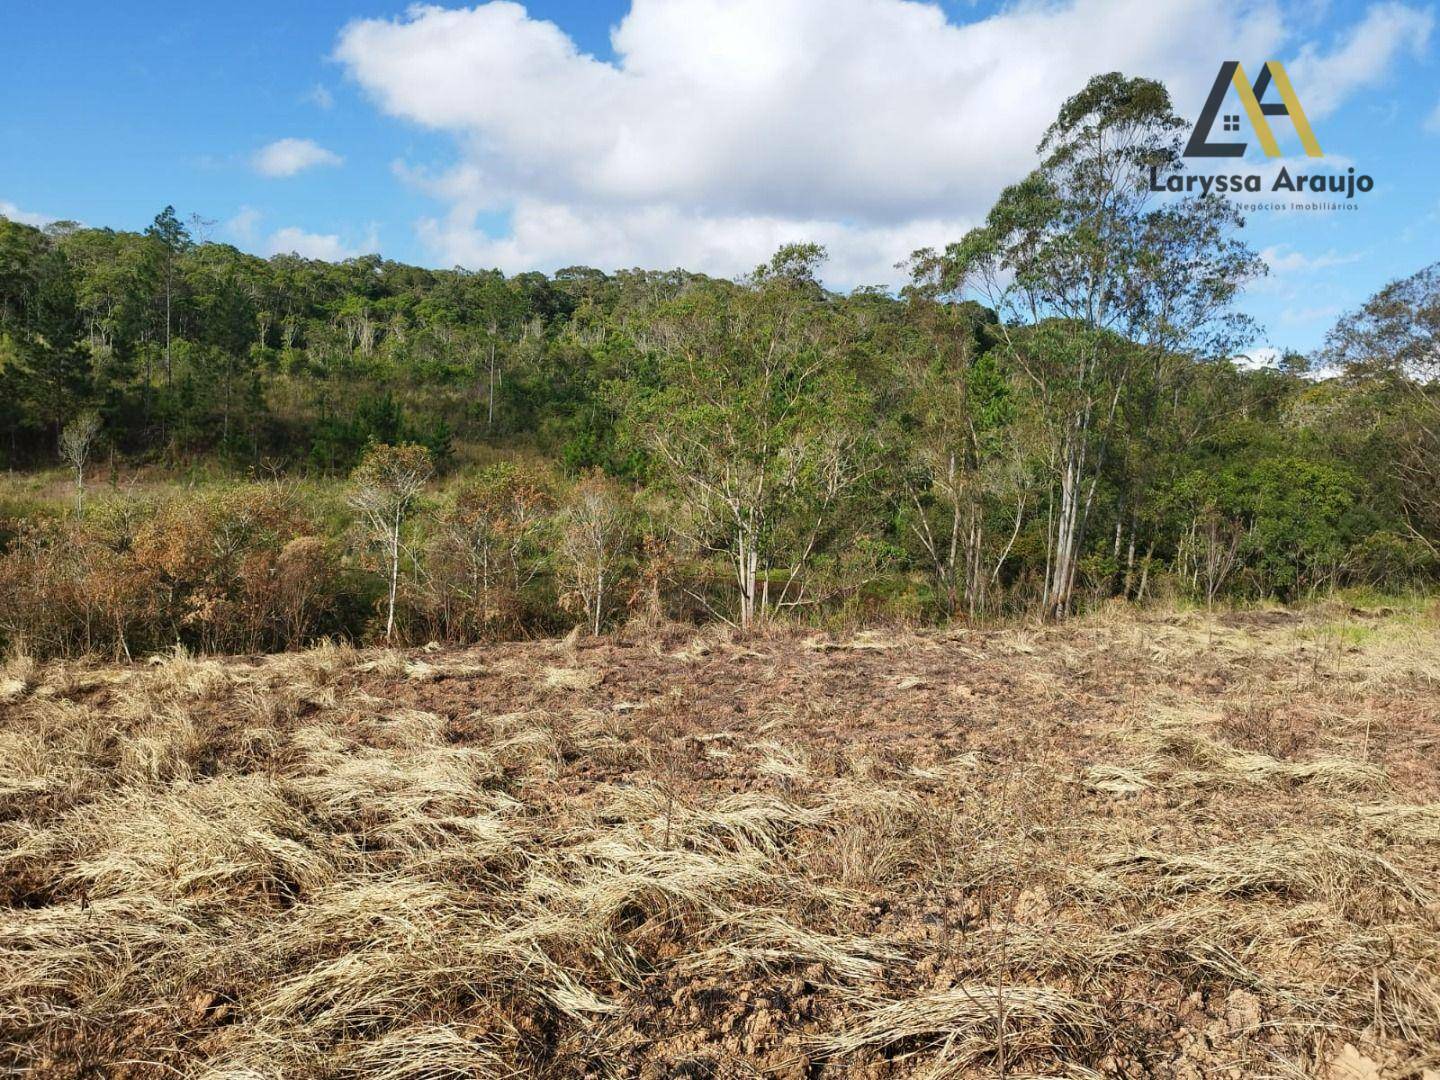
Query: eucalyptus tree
385, 489
965, 490
1096, 283
755, 422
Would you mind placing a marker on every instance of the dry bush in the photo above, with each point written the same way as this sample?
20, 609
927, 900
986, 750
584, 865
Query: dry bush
484, 556
235, 570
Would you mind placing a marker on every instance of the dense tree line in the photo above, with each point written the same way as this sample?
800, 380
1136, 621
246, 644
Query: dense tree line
1046, 416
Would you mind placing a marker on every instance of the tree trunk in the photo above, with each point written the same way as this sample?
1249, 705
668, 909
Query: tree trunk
394, 579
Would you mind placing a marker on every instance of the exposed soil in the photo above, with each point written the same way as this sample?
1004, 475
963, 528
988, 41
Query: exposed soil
1166, 846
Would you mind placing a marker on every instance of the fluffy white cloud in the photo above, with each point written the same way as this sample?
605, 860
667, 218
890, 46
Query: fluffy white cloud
1283, 259
327, 246
286, 157
724, 127
551, 234
1362, 58
242, 228
14, 213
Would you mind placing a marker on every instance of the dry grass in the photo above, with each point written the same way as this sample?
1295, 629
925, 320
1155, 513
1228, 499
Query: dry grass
1179, 848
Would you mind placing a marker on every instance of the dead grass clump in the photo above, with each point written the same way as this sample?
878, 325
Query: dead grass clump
969, 1022
864, 641
163, 748
319, 665
178, 675
1397, 821
530, 741
433, 1051
1207, 761
18, 675
784, 763
770, 942
355, 1006
394, 804
1116, 779
1295, 864
560, 678
1194, 942
73, 967
737, 823
387, 663
605, 737
711, 638
877, 837
234, 841
33, 775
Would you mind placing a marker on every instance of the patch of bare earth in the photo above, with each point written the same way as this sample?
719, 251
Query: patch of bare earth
1131, 846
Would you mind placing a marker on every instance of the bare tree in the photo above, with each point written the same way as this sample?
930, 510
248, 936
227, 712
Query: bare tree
1209, 552
77, 442
592, 537
386, 488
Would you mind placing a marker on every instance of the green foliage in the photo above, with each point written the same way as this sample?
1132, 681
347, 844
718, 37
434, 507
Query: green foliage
1044, 417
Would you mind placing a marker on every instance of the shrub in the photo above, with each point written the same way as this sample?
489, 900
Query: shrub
484, 555
234, 570
1390, 562
596, 532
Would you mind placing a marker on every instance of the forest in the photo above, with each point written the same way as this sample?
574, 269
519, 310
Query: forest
1056, 411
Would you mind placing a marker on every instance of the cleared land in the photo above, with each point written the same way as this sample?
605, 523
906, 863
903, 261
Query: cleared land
1160, 845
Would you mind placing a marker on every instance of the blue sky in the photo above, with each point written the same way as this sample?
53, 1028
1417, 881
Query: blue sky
680, 132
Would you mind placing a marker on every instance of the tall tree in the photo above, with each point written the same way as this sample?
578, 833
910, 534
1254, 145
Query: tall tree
756, 423
171, 239
1094, 282
385, 489
1392, 343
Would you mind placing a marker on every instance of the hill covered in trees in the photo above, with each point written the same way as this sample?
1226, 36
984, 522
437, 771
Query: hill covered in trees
1047, 415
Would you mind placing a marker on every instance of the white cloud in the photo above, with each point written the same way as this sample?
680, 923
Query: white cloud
724, 127
1323, 80
327, 246
320, 96
286, 157
242, 227
552, 234
1266, 356
289, 240
244, 230
1283, 259
23, 217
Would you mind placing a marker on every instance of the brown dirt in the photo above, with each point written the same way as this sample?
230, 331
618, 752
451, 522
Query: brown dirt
1131, 846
